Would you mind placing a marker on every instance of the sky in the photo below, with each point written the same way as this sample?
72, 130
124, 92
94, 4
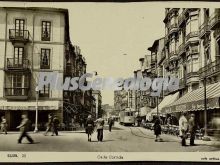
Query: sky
107, 31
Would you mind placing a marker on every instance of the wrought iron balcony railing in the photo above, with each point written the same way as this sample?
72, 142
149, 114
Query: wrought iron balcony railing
19, 35
210, 69
16, 63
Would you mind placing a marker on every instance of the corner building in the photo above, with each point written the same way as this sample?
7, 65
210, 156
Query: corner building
32, 40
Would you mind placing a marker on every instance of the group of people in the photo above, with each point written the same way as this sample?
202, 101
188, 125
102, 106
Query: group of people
185, 126
99, 124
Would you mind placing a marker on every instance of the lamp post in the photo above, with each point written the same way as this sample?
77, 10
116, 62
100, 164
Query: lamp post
205, 138
36, 116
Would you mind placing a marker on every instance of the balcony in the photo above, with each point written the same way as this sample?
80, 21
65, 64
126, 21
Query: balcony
217, 33
181, 49
192, 74
173, 28
19, 35
17, 64
192, 35
214, 21
16, 93
210, 69
173, 55
192, 77
204, 29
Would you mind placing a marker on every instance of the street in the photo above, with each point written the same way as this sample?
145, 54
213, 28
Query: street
121, 139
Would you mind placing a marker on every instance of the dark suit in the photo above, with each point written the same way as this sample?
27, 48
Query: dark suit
24, 126
192, 130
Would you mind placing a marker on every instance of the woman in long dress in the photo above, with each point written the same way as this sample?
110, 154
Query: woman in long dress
89, 127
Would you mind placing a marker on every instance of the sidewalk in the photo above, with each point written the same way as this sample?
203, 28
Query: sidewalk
214, 141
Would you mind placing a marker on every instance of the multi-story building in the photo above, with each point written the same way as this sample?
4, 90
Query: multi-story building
193, 35
78, 104
37, 40
120, 100
33, 40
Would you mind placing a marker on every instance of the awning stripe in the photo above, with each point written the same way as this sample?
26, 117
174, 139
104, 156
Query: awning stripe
197, 97
198, 94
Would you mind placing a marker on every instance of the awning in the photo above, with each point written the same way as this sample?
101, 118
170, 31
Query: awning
194, 100
144, 110
166, 101
29, 105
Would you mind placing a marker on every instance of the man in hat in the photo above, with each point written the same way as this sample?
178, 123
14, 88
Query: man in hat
192, 129
183, 127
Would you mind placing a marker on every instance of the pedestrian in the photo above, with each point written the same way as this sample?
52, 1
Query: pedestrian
100, 125
55, 125
4, 125
192, 129
157, 129
110, 123
24, 127
183, 127
89, 125
49, 124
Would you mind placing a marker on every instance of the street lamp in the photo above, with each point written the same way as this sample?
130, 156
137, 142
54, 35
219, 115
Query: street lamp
36, 116
205, 137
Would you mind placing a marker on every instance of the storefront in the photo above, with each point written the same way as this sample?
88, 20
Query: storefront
166, 101
13, 110
193, 102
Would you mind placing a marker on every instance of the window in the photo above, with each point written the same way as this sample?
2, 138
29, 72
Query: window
19, 27
207, 56
18, 55
46, 30
16, 84
194, 49
45, 91
45, 59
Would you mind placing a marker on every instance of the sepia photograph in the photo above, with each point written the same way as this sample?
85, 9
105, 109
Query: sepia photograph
110, 79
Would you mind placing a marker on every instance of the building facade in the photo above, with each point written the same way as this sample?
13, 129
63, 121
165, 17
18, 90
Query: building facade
35, 40
32, 40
